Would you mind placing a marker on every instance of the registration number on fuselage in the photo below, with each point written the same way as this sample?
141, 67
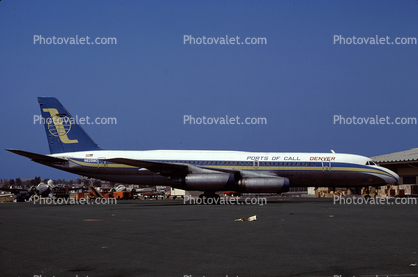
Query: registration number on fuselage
91, 160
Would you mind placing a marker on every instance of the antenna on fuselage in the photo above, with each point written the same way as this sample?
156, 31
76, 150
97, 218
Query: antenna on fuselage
332, 151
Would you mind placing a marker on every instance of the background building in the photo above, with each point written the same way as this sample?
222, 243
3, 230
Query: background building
404, 163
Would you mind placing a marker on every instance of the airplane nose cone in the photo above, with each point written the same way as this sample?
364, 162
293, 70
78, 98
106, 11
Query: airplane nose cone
393, 178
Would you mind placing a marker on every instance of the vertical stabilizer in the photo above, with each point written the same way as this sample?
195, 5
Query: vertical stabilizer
62, 131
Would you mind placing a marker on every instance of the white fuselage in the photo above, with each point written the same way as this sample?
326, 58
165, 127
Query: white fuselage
302, 169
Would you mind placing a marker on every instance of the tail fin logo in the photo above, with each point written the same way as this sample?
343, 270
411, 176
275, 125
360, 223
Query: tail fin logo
59, 126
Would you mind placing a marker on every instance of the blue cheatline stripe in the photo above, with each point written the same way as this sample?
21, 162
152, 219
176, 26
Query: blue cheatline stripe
281, 166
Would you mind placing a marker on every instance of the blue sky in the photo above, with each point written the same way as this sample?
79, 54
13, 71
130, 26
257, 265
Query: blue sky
150, 79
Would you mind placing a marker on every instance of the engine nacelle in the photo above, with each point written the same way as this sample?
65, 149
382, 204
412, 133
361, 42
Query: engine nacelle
202, 181
264, 184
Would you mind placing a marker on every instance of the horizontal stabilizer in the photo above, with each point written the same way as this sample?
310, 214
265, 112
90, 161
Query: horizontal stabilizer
37, 157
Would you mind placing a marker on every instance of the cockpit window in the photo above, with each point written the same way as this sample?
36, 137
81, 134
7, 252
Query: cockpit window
370, 163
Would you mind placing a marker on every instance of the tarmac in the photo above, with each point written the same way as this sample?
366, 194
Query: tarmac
291, 237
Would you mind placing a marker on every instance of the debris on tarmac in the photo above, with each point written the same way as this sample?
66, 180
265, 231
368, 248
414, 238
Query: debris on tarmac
251, 218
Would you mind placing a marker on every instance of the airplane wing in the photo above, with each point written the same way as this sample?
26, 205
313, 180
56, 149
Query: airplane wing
196, 177
172, 169
37, 157
165, 169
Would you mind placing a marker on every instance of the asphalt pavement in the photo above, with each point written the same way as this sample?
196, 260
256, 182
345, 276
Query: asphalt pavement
297, 237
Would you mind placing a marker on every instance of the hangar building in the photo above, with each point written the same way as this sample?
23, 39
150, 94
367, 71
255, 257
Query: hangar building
404, 163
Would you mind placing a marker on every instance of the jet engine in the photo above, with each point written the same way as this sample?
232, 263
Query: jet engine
203, 181
264, 184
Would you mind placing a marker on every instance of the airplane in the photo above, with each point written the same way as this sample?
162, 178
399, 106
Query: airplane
72, 150
24, 194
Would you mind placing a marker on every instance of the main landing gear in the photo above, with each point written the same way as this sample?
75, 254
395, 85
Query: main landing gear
209, 197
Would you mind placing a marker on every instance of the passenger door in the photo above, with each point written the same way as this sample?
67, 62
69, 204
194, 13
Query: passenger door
326, 166
101, 163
